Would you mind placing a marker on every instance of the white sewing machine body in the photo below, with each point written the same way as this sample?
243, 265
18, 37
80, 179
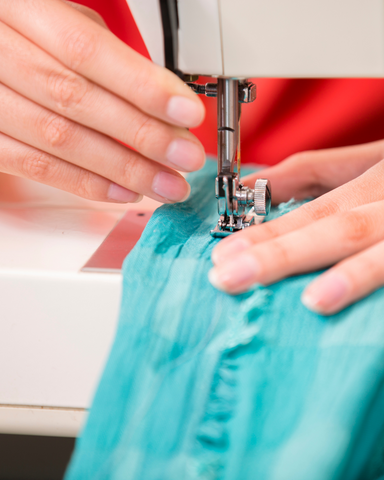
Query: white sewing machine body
270, 38
57, 323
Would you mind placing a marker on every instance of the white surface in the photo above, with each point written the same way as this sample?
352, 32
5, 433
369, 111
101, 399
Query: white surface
56, 324
199, 37
41, 421
272, 38
303, 38
147, 16
55, 334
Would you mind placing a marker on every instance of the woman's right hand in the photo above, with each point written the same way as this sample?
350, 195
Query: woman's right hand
69, 88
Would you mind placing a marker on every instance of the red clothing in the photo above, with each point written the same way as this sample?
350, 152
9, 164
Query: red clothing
289, 115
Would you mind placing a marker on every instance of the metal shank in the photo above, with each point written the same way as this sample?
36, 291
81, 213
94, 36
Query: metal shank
227, 123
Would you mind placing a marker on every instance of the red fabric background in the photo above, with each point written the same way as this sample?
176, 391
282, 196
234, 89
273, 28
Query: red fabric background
289, 115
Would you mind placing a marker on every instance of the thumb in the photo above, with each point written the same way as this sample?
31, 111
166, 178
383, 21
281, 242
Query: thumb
292, 178
313, 173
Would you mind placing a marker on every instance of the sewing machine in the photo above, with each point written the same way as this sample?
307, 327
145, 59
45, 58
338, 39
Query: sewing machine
59, 283
237, 39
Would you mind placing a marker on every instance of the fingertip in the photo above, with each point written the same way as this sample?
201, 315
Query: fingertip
185, 155
119, 194
184, 111
309, 302
187, 194
172, 187
214, 279
314, 307
327, 294
215, 256
252, 177
236, 275
230, 247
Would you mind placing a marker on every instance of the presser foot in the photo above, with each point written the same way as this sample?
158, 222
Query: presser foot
227, 226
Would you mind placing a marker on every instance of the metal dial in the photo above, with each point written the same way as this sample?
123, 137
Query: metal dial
262, 196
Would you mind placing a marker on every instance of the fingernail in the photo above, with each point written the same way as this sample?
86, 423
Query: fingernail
185, 155
116, 193
185, 112
229, 247
235, 276
325, 294
171, 187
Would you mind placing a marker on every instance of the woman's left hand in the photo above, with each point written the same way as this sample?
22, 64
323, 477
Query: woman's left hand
343, 227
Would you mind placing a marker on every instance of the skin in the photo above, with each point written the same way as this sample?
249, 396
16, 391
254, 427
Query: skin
342, 228
83, 112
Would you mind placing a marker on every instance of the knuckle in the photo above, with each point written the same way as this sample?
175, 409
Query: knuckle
143, 133
131, 171
304, 158
280, 253
38, 166
67, 90
355, 226
80, 46
56, 131
370, 265
270, 230
316, 210
143, 84
298, 158
84, 185
314, 174
361, 263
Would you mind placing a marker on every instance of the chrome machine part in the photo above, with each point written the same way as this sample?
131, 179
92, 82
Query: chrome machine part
228, 114
237, 205
262, 197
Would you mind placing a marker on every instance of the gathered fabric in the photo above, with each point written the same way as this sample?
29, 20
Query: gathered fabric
201, 385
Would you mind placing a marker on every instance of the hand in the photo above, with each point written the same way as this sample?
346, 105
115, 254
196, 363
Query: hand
343, 226
71, 93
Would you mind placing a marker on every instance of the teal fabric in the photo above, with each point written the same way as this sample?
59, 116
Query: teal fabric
203, 385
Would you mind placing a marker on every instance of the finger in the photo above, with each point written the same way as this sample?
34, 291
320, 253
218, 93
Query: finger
365, 189
24, 161
32, 124
347, 282
92, 51
315, 246
88, 12
311, 174
27, 69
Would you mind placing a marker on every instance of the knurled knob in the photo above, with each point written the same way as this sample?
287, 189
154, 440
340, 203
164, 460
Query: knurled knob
262, 196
